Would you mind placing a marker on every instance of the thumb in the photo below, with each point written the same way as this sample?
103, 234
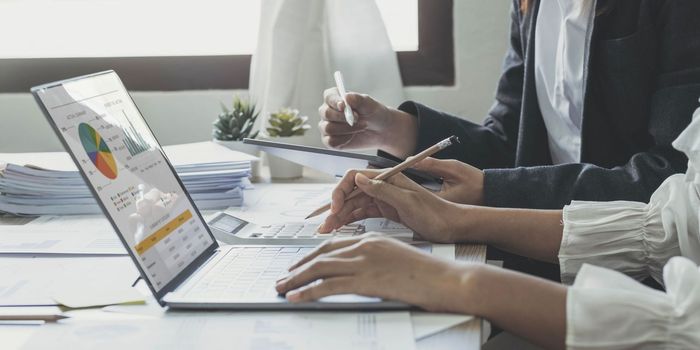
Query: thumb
360, 103
381, 190
448, 169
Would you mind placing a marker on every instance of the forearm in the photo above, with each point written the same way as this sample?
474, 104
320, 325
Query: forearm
532, 233
554, 186
530, 307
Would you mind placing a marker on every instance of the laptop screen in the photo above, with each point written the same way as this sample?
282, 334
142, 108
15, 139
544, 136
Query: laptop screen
126, 167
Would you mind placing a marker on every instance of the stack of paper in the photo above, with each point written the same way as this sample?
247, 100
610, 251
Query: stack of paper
49, 183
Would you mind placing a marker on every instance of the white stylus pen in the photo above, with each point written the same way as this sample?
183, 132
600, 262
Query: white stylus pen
349, 117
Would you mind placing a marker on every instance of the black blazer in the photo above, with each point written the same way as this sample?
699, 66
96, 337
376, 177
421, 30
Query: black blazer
642, 85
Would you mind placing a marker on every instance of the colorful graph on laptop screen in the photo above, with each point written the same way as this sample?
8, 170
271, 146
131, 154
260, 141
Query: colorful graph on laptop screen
123, 162
97, 151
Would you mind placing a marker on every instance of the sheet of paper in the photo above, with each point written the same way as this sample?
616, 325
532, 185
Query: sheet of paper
32, 281
91, 295
30, 310
303, 331
426, 324
273, 203
445, 251
94, 223
66, 241
283, 203
204, 152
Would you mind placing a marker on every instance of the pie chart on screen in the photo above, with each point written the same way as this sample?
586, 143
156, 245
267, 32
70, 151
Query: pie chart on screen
96, 148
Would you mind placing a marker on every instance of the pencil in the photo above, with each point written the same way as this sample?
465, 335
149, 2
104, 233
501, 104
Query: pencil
46, 318
408, 163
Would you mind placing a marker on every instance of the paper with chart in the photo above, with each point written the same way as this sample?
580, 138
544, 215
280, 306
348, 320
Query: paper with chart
241, 331
284, 203
128, 171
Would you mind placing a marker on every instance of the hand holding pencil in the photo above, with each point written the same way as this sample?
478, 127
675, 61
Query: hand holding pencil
428, 213
408, 163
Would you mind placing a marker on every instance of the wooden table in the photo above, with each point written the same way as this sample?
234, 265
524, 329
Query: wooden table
467, 335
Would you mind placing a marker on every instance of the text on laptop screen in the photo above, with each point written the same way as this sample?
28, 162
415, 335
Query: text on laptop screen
127, 169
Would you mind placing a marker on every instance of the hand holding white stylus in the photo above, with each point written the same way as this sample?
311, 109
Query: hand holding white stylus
349, 117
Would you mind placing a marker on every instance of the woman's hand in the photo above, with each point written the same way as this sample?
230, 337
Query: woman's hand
462, 183
376, 125
376, 266
398, 199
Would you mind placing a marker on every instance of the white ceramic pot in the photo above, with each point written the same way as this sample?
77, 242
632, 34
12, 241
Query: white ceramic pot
281, 168
247, 149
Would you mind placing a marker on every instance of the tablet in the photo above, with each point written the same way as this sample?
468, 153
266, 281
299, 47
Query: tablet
336, 163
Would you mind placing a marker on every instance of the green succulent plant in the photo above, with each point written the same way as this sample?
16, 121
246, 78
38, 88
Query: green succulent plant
237, 123
287, 122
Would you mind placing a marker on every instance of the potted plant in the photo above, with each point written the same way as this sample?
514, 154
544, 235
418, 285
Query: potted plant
235, 124
287, 126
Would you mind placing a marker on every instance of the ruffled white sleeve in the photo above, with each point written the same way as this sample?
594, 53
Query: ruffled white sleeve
609, 310
631, 237
623, 236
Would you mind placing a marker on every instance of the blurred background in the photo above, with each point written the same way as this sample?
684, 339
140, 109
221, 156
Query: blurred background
180, 60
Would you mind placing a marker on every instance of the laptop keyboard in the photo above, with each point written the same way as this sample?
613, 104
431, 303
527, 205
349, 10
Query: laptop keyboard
246, 272
303, 230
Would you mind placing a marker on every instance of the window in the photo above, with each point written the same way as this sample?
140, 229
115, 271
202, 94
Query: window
195, 46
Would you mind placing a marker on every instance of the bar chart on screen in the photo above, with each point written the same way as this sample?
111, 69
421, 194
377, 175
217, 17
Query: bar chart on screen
134, 142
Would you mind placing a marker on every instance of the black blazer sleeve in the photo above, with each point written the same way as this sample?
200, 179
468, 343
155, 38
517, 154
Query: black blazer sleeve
493, 144
672, 101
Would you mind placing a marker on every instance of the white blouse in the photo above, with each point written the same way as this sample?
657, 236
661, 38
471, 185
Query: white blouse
562, 35
607, 245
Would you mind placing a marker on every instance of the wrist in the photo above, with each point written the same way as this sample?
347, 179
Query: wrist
464, 221
402, 134
463, 293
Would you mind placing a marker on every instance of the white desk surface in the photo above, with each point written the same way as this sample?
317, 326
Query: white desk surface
467, 335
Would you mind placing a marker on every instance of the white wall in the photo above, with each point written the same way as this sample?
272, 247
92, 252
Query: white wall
185, 116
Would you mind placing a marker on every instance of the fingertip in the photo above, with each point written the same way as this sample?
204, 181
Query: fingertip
293, 296
323, 228
361, 179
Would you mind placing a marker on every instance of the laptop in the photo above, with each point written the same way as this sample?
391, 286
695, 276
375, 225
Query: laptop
154, 216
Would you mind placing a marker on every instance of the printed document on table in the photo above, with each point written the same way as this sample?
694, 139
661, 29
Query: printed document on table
94, 223
26, 281
21, 240
285, 203
253, 331
71, 234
